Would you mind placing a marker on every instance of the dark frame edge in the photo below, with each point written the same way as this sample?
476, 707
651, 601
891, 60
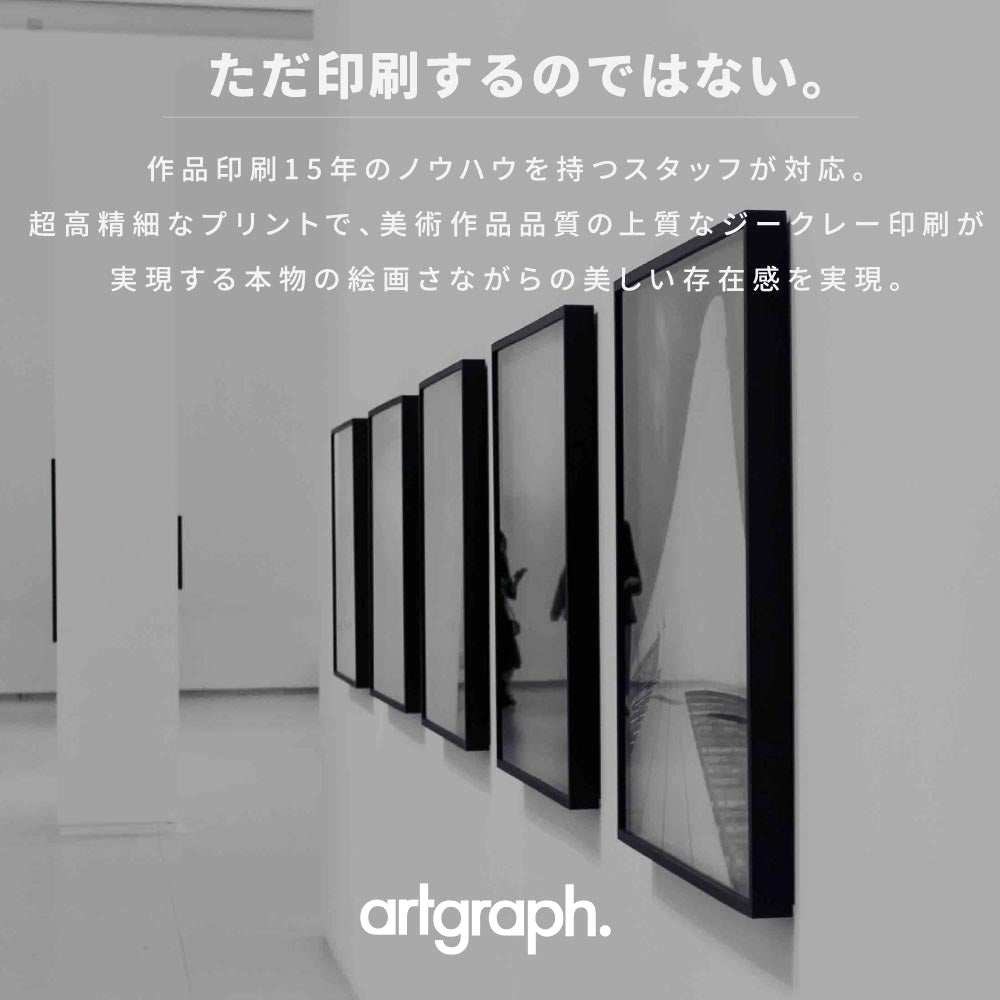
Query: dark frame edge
770, 614
538, 785
582, 505
476, 553
359, 464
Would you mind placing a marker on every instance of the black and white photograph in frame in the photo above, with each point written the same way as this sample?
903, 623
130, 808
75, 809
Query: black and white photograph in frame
396, 575
703, 414
455, 504
351, 553
545, 506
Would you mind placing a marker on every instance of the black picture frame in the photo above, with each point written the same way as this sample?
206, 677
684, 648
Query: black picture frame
579, 359
473, 419
357, 429
411, 561
767, 425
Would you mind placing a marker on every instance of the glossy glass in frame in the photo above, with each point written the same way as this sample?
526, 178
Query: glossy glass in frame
682, 411
394, 505
351, 556
531, 559
686, 758
455, 500
545, 555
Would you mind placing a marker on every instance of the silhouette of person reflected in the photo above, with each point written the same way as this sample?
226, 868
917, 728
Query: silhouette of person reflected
558, 609
508, 629
631, 585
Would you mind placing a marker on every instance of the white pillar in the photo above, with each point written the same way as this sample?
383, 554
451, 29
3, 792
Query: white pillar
117, 651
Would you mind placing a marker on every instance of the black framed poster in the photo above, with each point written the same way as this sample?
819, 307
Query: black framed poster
546, 555
455, 504
351, 553
396, 576
703, 424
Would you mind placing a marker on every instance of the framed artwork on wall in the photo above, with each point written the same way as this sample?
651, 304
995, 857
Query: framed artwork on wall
704, 574
396, 574
455, 504
351, 553
545, 508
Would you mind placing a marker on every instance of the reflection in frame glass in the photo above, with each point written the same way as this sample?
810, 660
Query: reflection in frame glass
351, 553
396, 575
704, 568
545, 504
455, 484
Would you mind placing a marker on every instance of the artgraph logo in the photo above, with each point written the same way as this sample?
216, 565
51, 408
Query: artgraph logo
457, 921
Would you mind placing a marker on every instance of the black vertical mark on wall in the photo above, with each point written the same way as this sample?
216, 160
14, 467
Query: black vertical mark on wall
180, 552
52, 507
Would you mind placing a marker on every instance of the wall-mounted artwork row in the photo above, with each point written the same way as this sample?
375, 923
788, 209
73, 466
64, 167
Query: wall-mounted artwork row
704, 480
455, 484
351, 553
397, 576
546, 555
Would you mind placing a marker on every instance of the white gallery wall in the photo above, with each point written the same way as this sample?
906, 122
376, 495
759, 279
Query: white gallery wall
248, 386
116, 460
897, 518
27, 417
248, 493
251, 415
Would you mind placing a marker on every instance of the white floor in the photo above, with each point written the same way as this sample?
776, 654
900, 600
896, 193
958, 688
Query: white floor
229, 906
